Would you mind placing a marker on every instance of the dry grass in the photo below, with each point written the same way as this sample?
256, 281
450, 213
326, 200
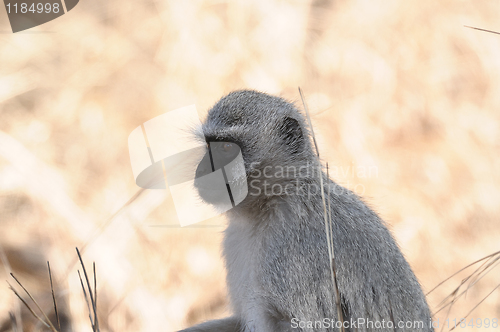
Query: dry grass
399, 86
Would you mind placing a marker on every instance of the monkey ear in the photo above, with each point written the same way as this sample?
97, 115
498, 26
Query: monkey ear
292, 134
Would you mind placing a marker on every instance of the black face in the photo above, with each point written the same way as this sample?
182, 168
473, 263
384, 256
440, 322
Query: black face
218, 156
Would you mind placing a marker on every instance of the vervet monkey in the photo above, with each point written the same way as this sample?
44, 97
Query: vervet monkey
275, 245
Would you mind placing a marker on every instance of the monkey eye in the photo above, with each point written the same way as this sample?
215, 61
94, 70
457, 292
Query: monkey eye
227, 147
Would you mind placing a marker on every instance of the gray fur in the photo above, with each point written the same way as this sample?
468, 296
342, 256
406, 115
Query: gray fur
275, 246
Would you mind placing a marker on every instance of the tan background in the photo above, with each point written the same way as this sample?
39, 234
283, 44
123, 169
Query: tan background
399, 86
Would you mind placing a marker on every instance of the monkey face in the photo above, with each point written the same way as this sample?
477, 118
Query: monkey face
220, 175
271, 138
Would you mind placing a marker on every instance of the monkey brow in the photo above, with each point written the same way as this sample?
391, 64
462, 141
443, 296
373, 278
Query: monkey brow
222, 138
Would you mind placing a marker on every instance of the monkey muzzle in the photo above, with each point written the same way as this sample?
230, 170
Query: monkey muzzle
220, 176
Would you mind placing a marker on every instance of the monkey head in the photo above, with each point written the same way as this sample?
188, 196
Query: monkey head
271, 137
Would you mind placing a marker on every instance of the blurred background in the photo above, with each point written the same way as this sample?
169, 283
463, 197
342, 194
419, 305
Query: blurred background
400, 88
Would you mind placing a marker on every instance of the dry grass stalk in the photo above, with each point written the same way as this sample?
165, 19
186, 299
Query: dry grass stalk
15, 317
477, 305
92, 294
490, 31
328, 226
488, 264
47, 323
53, 297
